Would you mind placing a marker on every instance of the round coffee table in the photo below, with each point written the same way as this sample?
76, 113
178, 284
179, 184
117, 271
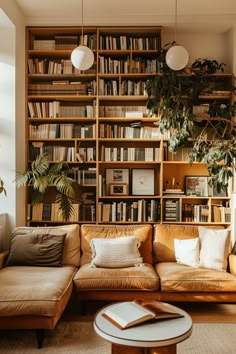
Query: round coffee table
160, 337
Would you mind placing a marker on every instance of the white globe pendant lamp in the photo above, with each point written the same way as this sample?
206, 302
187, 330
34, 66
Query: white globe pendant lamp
82, 57
177, 56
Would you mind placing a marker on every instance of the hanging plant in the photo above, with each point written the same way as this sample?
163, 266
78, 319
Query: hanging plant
172, 95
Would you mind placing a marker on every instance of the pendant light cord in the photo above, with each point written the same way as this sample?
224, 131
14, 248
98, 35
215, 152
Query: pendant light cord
82, 17
175, 33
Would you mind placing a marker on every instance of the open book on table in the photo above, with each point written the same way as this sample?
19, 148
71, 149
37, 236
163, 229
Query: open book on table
128, 314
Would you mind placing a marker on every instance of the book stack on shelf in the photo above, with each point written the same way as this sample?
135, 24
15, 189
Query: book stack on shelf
171, 210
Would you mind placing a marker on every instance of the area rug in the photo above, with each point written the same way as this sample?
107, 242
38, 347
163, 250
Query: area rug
80, 338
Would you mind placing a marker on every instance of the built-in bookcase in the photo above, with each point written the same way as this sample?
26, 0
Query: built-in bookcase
98, 123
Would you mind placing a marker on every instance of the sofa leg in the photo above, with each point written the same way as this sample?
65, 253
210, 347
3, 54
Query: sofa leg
40, 337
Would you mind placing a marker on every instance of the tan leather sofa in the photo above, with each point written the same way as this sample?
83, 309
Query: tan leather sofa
33, 297
169, 282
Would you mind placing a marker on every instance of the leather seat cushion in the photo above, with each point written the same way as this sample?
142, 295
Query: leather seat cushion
176, 277
131, 278
35, 291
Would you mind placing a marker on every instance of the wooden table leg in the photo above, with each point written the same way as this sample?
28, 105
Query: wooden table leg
170, 349
123, 349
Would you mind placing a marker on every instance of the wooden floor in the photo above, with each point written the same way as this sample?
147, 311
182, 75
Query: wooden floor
200, 312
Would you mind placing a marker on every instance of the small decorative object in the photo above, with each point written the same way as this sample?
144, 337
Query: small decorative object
143, 181
196, 186
118, 189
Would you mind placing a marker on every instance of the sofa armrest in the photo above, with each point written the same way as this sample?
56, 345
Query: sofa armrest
3, 256
232, 264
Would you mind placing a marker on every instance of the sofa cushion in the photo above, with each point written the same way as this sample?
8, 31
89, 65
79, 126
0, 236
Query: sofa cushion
187, 251
71, 250
176, 277
35, 291
143, 232
131, 278
214, 248
36, 249
116, 252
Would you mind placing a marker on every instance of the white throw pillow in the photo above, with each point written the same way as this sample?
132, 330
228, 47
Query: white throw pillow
214, 248
119, 252
187, 251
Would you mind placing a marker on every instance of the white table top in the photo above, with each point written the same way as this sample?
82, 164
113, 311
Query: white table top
155, 334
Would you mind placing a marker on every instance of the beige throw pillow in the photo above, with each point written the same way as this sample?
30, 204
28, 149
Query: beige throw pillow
187, 251
214, 248
117, 252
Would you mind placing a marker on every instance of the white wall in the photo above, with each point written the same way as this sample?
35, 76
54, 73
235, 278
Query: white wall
12, 113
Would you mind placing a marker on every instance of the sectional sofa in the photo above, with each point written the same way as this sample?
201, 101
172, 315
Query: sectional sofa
48, 266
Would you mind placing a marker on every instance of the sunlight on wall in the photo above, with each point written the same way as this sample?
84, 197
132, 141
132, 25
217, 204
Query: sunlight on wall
7, 121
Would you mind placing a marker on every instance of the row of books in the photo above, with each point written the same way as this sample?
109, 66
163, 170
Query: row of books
124, 42
108, 65
84, 176
131, 132
51, 67
65, 42
51, 212
63, 88
196, 213
141, 211
130, 154
121, 111
127, 87
57, 109
61, 131
54, 152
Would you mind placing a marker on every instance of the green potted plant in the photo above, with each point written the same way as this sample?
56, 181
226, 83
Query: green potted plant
42, 175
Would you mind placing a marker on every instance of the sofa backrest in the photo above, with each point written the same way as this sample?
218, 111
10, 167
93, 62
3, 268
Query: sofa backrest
71, 250
163, 240
143, 232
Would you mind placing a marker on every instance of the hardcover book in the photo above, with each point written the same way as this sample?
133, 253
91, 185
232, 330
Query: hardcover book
129, 314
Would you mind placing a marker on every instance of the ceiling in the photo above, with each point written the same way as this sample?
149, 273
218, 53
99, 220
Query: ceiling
192, 15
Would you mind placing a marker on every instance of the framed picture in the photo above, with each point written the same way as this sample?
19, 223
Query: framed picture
196, 186
115, 176
143, 181
118, 189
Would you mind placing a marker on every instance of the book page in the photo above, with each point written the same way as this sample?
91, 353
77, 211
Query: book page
158, 309
127, 314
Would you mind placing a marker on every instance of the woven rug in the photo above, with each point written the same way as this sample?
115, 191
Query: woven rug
80, 338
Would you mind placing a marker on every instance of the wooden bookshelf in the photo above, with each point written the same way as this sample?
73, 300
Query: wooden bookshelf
98, 123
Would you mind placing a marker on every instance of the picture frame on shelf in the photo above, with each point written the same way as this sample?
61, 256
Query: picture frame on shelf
118, 189
143, 181
196, 186
117, 176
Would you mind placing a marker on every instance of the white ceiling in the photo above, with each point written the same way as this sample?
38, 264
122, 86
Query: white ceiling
193, 15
